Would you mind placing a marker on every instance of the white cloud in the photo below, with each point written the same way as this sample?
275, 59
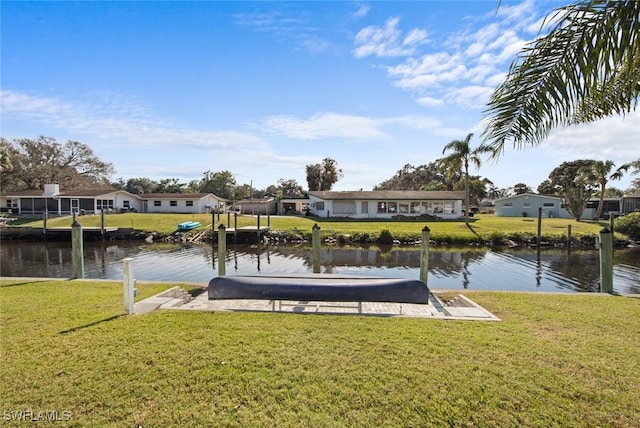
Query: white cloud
387, 41
430, 101
116, 120
464, 65
325, 125
362, 10
614, 138
472, 96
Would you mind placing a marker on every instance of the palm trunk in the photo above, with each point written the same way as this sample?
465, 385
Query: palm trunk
600, 203
466, 193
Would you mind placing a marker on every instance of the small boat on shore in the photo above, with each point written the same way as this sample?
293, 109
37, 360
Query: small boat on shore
188, 225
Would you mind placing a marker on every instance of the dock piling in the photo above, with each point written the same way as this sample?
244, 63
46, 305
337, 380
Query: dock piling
424, 254
315, 242
77, 250
222, 250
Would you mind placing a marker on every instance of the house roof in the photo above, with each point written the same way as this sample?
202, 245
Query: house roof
255, 201
175, 196
389, 194
522, 195
63, 193
171, 195
95, 193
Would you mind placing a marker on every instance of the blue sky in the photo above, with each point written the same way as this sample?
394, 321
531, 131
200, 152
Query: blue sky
261, 89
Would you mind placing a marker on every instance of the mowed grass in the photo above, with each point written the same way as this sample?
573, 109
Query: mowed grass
553, 360
483, 226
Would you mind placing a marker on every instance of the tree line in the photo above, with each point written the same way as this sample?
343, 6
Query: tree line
27, 164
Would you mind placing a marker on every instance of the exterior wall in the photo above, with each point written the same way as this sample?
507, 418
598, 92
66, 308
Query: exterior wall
286, 205
210, 203
120, 200
527, 205
630, 204
117, 200
261, 206
165, 206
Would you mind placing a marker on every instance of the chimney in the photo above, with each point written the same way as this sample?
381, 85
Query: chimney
51, 190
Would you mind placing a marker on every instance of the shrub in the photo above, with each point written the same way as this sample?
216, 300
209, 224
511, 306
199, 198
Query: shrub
629, 225
385, 237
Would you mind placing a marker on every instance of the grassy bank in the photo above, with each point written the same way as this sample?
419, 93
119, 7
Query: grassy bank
484, 228
553, 360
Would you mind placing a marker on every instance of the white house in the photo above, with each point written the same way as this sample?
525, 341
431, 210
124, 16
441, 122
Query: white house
527, 204
192, 203
56, 201
385, 204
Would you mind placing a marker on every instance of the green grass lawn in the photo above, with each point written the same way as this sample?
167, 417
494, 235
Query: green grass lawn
553, 360
485, 227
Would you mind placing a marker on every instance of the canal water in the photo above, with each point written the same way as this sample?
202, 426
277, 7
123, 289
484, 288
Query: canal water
475, 269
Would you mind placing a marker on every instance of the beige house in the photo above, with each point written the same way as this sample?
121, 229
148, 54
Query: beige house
386, 204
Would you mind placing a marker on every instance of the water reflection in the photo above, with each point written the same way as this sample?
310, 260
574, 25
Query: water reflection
475, 268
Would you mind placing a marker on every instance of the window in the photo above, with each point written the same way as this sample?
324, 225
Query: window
382, 207
11, 203
125, 204
104, 204
403, 207
393, 207
189, 203
415, 207
157, 203
507, 204
173, 203
549, 204
320, 206
447, 207
526, 205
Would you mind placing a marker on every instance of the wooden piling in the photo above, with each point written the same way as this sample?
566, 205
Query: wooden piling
315, 242
606, 261
424, 254
77, 250
222, 250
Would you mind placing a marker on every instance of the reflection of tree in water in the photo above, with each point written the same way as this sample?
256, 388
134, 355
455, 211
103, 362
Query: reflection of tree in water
583, 267
441, 262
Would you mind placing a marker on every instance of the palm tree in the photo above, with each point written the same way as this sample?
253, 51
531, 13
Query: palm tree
586, 68
460, 158
600, 172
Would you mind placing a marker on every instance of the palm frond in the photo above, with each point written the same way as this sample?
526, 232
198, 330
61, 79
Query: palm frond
569, 75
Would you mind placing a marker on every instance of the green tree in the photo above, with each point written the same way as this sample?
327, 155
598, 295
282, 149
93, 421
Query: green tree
587, 67
323, 176
170, 185
599, 172
477, 188
548, 188
460, 158
521, 188
141, 185
290, 188
221, 183
635, 183
568, 182
36, 162
431, 176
